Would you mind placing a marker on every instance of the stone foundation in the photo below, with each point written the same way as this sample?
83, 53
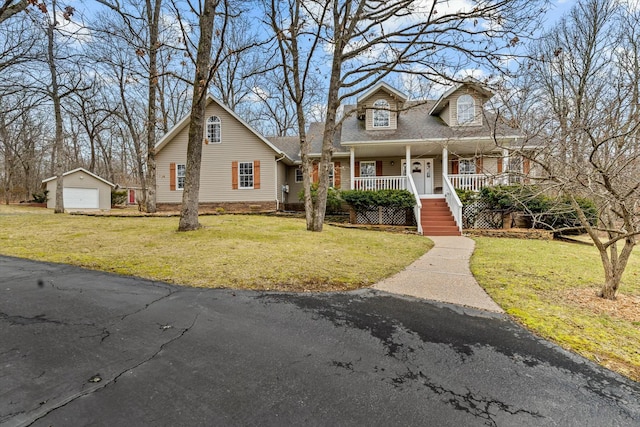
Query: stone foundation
222, 207
515, 233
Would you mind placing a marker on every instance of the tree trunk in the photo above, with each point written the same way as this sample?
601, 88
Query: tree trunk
614, 265
191, 193
55, 97
153, 17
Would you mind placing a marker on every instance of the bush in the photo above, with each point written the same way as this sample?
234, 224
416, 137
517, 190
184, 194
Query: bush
466, 196
41, 197
547, 212
361, 200
334, 201
118, 197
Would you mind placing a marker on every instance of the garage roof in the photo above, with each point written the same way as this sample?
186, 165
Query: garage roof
80, 170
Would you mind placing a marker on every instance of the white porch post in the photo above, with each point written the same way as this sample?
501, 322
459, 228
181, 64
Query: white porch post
445, 161
352, 167
505, 166
407, 160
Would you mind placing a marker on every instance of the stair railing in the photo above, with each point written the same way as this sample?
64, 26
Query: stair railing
452, 200
418, 206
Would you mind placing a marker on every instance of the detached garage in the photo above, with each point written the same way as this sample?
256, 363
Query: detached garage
81, 190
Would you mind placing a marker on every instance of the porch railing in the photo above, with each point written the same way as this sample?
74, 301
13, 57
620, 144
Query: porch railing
452, 200
473, 182
380, 183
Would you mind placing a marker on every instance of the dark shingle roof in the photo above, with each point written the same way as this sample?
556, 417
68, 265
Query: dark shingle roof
290, 145
415, 123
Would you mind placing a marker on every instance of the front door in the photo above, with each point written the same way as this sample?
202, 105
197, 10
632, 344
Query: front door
422, 174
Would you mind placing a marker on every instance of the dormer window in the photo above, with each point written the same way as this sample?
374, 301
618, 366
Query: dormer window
466, 109
381, 114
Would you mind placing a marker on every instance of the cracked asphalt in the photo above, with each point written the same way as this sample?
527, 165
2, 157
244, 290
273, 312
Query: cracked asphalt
81, 348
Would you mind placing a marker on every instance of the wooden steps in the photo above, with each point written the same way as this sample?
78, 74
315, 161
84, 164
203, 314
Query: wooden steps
436, 218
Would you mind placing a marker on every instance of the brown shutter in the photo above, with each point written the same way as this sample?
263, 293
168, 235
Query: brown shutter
526, 166
172, 176
314, 174
455, 167
234, 175
499, 164
378, 168
336, 175
356, 173
256, 174
479, 162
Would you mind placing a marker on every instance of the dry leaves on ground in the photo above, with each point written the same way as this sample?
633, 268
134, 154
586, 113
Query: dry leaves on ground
625, 307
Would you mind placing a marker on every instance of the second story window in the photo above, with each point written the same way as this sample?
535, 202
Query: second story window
213, 129
381, 114
466, 109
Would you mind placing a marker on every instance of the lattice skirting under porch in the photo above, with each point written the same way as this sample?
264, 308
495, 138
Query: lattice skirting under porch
479, 214
384, 216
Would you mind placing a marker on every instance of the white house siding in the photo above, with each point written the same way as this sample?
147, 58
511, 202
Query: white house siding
453, 106
80, 179
368, 105
237, 144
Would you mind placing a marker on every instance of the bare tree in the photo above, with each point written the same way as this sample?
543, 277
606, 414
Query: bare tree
8, 8
141, 29
583, 110
369, 40
203, 75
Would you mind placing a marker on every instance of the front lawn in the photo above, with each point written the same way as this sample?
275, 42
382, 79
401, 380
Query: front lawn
550, 287
240, 251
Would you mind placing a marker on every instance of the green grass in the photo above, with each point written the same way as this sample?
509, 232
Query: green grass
531, 280
251, 252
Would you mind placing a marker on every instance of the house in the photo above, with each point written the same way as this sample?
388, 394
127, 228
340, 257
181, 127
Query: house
385, 141
241, 169
81, 190
449, 143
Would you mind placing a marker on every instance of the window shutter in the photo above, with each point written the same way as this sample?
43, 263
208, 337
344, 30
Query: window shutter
479, 165
234, 175
378, 167
526, 166
356, 173
172, 176
455, 167
499, 164
314, 174
336, 175
256, 174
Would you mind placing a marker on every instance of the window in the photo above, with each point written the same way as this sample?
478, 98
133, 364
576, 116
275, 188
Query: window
299, 176
180, 174
467, 166
245, 174
213, 129
367, 169
466, 109
381, 115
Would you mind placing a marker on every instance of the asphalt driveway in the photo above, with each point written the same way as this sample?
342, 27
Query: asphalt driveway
87, 348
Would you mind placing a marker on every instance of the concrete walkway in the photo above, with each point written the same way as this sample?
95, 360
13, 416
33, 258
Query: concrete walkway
442, 274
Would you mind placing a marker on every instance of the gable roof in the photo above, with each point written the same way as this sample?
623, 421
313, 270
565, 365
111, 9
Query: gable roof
166, 138
382, 85
80, 170
467, 81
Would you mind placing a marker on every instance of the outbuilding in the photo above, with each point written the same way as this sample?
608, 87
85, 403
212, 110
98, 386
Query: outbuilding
81, 190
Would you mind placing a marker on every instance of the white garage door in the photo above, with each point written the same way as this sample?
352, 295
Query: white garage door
81, 198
